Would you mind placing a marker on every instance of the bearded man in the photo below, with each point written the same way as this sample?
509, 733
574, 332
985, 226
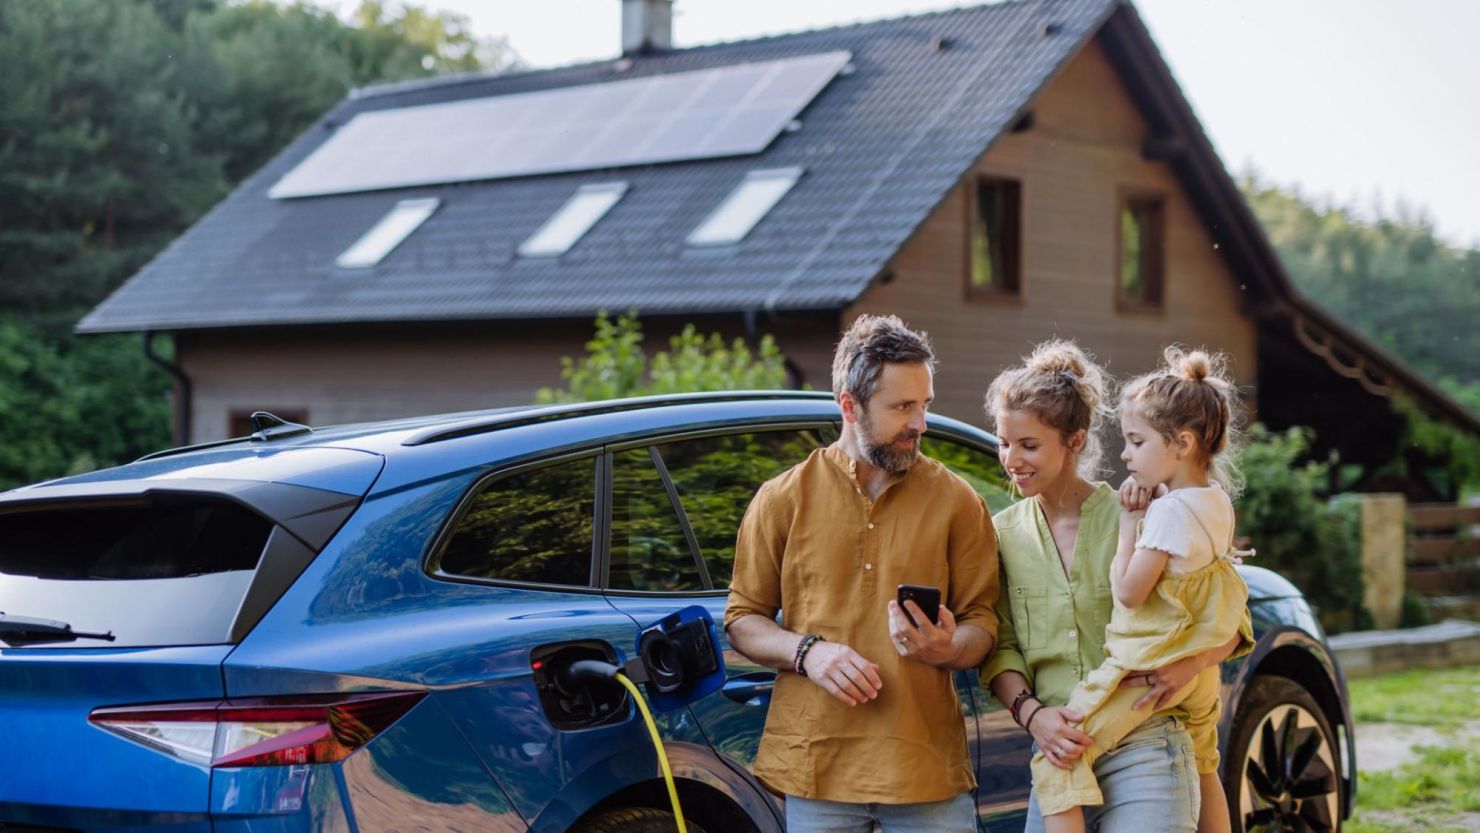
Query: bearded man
864, 725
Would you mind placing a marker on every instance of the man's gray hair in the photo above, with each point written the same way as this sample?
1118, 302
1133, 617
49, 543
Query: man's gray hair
871, 342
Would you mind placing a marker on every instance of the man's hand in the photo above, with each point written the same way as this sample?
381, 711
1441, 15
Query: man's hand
1058, 740
842, 672
927, 643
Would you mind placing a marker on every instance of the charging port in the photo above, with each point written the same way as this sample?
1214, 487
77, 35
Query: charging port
576, 707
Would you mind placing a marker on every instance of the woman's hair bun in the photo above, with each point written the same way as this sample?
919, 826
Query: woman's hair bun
1058, 356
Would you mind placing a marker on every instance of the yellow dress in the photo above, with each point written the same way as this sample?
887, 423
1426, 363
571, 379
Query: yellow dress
1185, 614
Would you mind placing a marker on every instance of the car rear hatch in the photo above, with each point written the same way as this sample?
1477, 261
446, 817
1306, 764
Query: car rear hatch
129, 587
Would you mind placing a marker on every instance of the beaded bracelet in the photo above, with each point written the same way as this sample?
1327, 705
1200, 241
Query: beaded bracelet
802, 648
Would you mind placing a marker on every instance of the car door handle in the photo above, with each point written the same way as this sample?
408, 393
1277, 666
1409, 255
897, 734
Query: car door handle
751, 689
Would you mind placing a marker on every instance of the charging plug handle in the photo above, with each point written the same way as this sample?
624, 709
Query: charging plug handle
582, 673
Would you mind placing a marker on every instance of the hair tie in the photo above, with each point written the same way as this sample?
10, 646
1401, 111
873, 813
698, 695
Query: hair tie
1070, 377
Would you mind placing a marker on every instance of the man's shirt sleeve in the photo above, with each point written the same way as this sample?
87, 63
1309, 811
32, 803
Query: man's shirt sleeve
1007, 655
755, 584
973, 564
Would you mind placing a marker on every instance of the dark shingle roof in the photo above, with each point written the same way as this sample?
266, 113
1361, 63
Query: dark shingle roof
881, 147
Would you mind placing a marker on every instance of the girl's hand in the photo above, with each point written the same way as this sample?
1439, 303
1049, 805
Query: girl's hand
1058, 740
1134, 498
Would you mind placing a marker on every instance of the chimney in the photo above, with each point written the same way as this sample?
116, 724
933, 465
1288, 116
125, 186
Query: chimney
647, 26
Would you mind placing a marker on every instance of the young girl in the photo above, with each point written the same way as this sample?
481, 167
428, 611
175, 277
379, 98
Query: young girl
1177, 594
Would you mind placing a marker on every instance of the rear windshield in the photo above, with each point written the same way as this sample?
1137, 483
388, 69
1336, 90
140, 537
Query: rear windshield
154, 573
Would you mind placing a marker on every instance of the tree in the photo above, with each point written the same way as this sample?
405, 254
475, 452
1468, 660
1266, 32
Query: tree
73, 407
121, 122
616, 366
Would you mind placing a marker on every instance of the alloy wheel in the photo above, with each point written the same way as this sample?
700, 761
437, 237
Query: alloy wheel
1290, 783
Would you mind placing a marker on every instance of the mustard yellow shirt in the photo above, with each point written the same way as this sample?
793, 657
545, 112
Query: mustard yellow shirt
1052, 627
816, 548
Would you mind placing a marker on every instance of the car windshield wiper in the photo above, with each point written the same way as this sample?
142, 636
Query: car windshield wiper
23, 630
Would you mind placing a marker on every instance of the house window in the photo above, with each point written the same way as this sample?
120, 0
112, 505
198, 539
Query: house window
746, 206
582, 211
386, 235
994, 261
1142, 255
239, 423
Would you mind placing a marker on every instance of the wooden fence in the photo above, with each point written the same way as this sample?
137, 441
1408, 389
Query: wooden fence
1444, 549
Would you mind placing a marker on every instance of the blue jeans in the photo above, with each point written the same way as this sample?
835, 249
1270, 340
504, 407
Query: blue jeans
1149, 782
954, 815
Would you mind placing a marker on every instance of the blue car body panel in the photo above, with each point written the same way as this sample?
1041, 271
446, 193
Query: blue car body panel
62, 770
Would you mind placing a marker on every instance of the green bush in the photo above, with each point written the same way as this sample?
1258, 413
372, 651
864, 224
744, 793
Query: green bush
1311, 541
616, 366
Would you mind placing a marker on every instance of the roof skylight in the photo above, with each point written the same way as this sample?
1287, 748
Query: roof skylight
583, 210
387, 234
756, 195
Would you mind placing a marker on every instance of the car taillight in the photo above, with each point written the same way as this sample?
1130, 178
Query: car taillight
268, 731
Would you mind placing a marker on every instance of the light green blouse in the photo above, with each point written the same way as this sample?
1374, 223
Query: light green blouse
1053, 626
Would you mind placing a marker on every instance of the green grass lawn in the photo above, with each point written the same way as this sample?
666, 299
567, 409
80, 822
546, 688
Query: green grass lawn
1440, 791
1426, 698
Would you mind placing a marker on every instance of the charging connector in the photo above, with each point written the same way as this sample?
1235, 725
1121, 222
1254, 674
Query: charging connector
595, 672
678, 659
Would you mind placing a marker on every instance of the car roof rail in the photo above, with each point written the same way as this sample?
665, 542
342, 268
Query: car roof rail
266, 427
493, 422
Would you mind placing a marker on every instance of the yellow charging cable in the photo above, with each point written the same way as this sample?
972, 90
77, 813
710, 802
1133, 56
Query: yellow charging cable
657, 745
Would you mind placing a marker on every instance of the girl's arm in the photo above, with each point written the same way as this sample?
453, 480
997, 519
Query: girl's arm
1135, 571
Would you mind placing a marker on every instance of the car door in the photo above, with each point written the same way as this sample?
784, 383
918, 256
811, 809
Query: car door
676, 504
518, 564
1001, 750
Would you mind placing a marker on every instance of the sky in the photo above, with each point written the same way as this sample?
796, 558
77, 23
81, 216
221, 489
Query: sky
1357, 102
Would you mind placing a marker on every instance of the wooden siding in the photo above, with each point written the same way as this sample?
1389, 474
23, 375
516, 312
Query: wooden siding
340, 375
1081, 154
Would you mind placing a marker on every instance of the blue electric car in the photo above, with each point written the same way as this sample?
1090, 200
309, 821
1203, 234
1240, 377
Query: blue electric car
362, 628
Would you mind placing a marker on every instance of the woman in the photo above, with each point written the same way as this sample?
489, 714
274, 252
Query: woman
1056, 546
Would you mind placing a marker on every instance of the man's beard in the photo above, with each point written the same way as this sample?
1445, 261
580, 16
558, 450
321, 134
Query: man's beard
884, 455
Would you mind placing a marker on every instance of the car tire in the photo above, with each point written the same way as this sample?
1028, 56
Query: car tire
634, 820
1281, 772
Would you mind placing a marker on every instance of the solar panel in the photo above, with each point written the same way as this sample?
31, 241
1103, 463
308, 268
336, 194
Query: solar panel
723, 111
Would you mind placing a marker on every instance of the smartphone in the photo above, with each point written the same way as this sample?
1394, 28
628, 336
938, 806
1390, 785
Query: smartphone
928, 598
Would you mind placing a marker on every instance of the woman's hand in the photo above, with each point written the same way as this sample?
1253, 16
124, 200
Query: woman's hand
1164, 682
1058, 740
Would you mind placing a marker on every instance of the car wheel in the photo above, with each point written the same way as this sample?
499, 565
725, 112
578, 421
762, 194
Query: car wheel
1281, 768
634, 820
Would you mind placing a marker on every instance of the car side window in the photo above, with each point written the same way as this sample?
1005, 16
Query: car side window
532, 526
716, 477
649, 550
979, 468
